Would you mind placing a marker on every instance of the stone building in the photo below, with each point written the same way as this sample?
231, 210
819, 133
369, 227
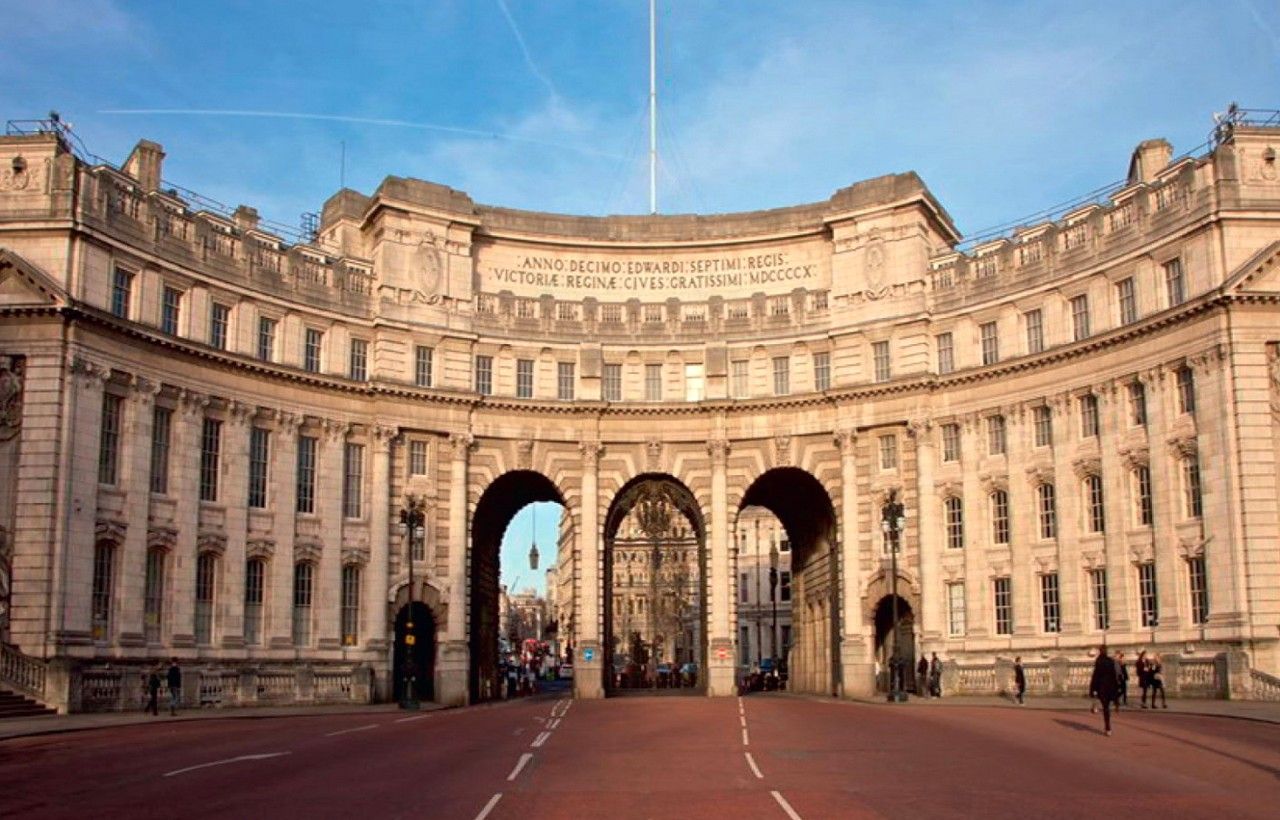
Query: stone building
208, 429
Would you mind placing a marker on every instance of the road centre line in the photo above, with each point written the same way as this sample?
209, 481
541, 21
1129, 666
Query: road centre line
540, 739
224, 762
751, 761
415, 717
746, 741
782, 801
551, 724
488, 807
524, 760
743, 720
356, 729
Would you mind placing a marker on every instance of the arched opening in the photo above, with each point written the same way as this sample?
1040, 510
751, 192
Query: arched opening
886, 640
414, 656
490, 605
655, 590
810, 655
763, 598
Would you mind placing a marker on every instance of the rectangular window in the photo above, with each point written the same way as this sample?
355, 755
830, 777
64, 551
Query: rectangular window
1137, 404
1051, 610
888, 452
1186, 391
1193, 504
484, 375
951, 442
266, 339
352, 480
1080, 317
219, 319
1089, 416
1142, 491
612, 382
1047, 502
417, 457
1034, 321
653, 382
206, 580
738, 378
781, 375
109, 440
302, 604
946, 353
1000, 517
1147, 594
744, 587
121, 293
566, 381
955, 610
1098, 594
1199, 589
997, 438
1097, 513
350, 605
880, 355
254, 570
821, 371
210, 451
784, 586
358, 362
1004, 605
990, 342
423, 362
104, 555
161, 428
744, 646
312, 342
1043, 418
694, 382
259, 455
306, 474
524, 378
955, 522
1173, 282
153, 595
1127, 301
170, 310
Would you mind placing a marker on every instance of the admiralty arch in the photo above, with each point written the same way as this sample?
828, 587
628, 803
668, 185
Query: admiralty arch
210, 429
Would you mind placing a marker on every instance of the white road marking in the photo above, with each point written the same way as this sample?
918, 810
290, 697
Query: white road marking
743, 720
415, 717
782, 801
540, 739
524, 759
751, 761
356, 729
746, 741
551, 724
488, 807
223, 762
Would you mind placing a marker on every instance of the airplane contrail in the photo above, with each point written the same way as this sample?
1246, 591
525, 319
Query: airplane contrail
524, 48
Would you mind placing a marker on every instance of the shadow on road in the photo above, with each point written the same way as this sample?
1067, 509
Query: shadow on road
1078, 726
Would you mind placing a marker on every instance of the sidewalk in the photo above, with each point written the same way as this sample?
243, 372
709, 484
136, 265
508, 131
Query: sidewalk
1260, 710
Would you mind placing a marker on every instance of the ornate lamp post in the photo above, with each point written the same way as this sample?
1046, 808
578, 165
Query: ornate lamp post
893, 520
413, 528
773, 600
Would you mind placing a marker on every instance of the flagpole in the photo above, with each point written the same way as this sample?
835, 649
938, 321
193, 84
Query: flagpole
653, 108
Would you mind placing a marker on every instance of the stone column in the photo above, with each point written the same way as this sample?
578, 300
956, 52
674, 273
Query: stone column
928, 535
720, 662
330, 481
135, 480
452, 666
1024, 514
235, 498
857, 668
1223, 498
377, 583
588, 679
976, 503
278, 629
184, 476
1118, 465
1069, 490
1166, 479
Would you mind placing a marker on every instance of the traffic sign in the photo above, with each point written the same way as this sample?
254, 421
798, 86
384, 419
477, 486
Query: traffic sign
588, 654
722, 654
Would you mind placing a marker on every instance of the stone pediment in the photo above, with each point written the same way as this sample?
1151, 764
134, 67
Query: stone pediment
22, 284
1260, 273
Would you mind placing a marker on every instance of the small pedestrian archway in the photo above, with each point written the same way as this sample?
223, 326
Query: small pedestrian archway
887, 638
655, 610
414, 656
498, 505
805, 510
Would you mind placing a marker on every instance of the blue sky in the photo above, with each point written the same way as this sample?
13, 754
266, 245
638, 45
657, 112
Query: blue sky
1004, 108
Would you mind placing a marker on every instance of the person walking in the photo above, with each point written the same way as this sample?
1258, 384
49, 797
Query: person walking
935, 677
174, 679
1123, 669
1020, 681
153, 688
1105, 685
1141, 668
922, 676
1156, 674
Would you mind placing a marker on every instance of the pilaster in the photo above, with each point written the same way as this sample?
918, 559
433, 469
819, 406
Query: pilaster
928, 533
588, 679
857, 672
721, 675
376, 584
451, 689
330, 478
135, 480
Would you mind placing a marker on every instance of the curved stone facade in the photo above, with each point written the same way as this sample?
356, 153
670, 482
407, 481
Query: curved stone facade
213, 431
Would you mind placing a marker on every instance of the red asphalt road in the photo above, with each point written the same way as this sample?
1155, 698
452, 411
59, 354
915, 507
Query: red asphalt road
667, 757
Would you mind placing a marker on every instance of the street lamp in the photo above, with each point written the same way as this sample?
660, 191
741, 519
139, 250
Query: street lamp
892, 521
413, 529
773, 599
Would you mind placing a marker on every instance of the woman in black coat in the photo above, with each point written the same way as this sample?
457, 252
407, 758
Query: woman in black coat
1105, 685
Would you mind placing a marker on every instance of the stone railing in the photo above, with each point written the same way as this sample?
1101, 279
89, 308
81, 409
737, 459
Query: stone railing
1264, 686
1225, 675
110, 688
22, 672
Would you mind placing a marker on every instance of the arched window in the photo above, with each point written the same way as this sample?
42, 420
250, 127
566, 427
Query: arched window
153, 593
955, 523
255, 573
302, 585
104, 560
1047, 502
206, 582
350, 605
999, 517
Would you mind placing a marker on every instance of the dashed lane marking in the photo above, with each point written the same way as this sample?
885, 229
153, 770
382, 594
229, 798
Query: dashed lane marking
551, 724
540, 739
743, 720
746, 739
348, 731
224, 762
519, 731
415, 717
493, 801
782, 801
751, 761
524, 760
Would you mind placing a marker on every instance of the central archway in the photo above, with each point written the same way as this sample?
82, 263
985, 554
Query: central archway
655, 609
